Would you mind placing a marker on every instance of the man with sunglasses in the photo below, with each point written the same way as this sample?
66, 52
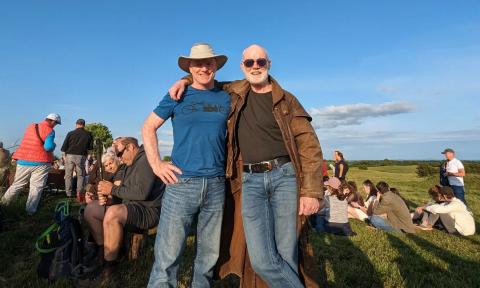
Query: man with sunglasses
140, 192
274, 164
196, 176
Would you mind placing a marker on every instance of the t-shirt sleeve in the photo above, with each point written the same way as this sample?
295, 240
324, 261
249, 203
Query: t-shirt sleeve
460, 165
49, 144
165, 108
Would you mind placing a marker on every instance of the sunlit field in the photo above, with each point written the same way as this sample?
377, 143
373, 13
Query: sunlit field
370, 259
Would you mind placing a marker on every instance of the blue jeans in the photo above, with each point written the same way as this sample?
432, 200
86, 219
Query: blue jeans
182, 203
459, 192
382, 223
322, 225
269, 214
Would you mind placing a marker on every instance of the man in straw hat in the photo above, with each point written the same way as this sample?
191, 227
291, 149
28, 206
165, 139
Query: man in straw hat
274, 166
196, 175
34, 160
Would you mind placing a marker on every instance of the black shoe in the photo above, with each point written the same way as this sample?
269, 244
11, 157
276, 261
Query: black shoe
105, 278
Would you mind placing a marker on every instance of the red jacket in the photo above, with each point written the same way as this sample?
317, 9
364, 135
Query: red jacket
31, 148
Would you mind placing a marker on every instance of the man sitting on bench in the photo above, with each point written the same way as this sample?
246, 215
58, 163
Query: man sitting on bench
140, 192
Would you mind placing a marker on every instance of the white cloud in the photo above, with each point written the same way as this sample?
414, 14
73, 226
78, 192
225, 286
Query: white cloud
355, 114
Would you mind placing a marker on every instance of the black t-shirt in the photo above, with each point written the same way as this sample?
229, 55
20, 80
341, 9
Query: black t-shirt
337, 169
78, 142
259, 136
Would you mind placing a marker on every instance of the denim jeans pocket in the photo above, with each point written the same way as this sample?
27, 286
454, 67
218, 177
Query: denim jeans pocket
288, 169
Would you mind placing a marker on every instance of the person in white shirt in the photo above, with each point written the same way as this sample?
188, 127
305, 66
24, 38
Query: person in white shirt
453, 214
455, 173
425, 219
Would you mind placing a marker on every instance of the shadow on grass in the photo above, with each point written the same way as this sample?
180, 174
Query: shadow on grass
417, 271
349, 265
463, 272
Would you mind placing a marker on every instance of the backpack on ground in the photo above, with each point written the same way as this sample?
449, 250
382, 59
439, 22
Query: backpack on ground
61, 246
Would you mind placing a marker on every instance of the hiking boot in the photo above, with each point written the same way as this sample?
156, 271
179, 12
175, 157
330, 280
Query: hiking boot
91, 252
106, 278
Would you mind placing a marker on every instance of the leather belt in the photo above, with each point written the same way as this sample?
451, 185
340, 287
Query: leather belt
265, 166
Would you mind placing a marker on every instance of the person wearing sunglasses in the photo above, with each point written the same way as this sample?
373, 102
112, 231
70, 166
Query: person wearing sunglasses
140, 193
196, 175
274, 166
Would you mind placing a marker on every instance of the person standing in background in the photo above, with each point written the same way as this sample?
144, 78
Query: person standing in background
76, 146
34, 160
4, 165
455, 171
341, 167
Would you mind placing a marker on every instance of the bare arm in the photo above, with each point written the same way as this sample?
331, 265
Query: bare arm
177, 89
460, 173
165, 170
341, 170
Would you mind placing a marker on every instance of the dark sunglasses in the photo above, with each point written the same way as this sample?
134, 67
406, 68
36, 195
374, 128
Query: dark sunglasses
120, 153
261, 62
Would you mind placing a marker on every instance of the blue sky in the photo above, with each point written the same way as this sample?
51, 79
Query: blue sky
381, 79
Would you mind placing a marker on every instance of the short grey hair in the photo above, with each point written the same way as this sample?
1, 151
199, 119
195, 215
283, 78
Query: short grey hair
258, 46
110, 155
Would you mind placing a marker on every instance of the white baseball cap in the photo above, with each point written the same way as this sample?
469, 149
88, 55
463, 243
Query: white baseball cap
55, 117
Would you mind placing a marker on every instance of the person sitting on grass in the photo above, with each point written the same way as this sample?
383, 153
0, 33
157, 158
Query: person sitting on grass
355, 201
365, 211
422, 216
452, 214
140, 192
390, 203
335, 219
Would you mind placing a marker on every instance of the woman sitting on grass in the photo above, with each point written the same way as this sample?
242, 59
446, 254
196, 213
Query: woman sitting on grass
365, 211
452, 214
390, 203
355, 201
335, 219
421, 216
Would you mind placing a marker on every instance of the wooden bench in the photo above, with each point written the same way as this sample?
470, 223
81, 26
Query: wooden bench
136, 240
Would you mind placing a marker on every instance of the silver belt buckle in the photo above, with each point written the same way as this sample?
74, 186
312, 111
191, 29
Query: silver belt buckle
268, 164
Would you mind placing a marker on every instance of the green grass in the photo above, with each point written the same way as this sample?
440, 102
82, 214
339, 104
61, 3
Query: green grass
370, 259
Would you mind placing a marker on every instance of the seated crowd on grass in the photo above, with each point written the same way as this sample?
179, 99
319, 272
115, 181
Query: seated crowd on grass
382, 207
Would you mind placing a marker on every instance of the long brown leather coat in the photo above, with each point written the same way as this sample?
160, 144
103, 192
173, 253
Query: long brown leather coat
306, 155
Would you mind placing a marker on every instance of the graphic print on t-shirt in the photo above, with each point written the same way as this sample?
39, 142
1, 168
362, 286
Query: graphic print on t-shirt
204, 107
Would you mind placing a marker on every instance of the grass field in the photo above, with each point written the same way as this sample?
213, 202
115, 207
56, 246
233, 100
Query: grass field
370, 259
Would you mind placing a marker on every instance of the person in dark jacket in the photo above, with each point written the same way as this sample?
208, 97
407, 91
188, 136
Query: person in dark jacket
5, 159
341, 167
140, 192
75, 147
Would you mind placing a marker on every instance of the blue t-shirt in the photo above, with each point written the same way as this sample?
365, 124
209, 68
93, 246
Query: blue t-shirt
199, 123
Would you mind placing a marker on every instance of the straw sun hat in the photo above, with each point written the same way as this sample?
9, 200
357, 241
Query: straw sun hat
201, 51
